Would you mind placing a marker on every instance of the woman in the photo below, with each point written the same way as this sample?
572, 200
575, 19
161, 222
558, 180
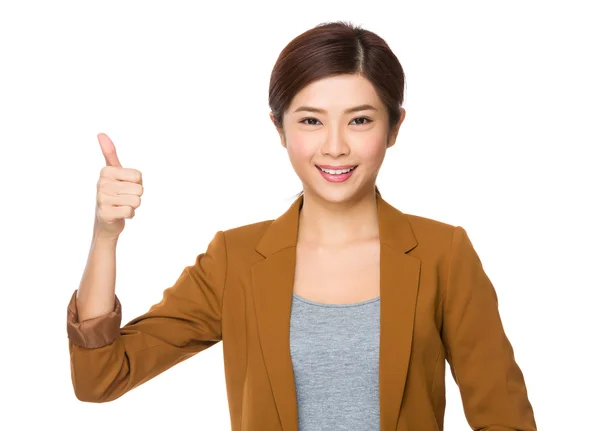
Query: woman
340, 313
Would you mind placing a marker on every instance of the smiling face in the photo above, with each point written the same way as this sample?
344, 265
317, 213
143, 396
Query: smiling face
336, 132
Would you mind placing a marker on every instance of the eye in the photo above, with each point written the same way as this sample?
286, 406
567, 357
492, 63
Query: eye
303, 121
366, 121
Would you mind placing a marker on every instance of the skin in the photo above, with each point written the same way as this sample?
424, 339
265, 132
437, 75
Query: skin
338, 237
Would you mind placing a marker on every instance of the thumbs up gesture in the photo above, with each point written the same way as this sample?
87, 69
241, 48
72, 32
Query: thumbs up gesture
119, 192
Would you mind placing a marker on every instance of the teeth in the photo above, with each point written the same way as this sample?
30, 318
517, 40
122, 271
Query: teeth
336, 171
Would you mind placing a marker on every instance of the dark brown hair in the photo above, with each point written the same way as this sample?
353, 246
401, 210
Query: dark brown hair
336, 48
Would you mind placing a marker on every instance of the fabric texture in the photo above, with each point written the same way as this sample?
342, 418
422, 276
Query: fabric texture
335, 355
437, 304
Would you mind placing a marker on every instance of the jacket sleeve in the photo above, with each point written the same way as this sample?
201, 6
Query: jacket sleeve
107, 361
480, 356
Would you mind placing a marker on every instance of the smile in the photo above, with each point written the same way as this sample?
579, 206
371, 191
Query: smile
336, 171
336, 174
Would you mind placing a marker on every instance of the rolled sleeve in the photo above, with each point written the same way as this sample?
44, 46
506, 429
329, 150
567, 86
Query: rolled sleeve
96, 332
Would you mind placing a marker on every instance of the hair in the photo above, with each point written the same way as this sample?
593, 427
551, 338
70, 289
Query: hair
336, 48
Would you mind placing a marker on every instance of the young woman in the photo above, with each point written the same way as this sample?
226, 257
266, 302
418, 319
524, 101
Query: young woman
340, 313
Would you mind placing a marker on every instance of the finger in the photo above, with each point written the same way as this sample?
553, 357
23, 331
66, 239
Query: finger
108, 150
112, 214
122, 174
127, 188
119, 201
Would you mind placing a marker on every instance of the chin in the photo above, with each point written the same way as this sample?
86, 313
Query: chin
330, 194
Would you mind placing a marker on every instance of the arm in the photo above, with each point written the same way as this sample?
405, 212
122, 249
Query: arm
480, 355
108, 361
96, 294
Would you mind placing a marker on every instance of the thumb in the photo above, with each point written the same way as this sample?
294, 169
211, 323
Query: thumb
108, 150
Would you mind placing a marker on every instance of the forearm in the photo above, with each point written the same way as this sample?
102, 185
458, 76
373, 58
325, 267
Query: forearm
96, 293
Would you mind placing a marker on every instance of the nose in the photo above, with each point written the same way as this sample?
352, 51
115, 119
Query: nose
335, 144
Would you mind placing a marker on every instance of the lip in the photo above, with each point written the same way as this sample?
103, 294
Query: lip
335, 167
336, 178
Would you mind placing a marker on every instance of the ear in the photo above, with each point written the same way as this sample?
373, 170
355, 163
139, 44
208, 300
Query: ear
279, 130
394, 132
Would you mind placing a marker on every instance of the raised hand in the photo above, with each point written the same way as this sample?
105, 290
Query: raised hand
119, 192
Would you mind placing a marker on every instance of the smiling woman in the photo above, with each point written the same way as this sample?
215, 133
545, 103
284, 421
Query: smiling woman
338, 314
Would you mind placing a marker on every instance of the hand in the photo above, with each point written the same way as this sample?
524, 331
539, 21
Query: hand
119, 192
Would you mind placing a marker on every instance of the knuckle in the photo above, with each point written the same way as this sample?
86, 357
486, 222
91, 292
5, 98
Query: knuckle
105, 171
137, 176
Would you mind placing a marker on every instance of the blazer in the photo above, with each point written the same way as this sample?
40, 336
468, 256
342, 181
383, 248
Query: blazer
437, 304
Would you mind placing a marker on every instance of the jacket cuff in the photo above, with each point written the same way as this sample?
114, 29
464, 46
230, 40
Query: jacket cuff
96, 332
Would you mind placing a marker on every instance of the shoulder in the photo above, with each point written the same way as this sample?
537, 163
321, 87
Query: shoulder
414, 229
432, 235
425, 225
242, 240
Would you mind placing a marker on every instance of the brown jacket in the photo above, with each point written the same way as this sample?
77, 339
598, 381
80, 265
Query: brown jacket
437, 304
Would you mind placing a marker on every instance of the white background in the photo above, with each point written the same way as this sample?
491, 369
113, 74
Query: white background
501, 137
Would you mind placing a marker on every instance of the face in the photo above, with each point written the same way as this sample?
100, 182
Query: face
336, 132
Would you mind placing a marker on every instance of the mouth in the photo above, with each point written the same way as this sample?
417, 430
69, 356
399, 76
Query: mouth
339, 170
336, 174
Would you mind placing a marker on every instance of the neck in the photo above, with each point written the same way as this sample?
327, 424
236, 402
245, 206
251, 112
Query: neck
327, 223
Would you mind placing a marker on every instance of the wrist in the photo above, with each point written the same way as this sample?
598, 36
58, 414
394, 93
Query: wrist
105, 237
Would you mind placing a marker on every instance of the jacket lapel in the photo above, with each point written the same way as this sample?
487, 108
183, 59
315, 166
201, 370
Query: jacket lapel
399, 282
273, 282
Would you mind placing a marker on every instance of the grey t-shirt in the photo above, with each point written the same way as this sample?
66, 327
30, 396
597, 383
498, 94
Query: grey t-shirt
335, 356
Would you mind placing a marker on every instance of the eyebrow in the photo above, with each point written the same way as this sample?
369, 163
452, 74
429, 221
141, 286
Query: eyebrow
347, 111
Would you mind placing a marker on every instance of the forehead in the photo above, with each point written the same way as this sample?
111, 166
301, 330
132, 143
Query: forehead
337, 93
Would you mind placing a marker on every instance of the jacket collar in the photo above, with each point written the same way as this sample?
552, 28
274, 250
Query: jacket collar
395, 230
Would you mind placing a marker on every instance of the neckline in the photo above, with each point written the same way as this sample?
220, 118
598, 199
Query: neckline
324, 304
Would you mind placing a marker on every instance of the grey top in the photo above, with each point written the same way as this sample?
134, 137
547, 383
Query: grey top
335, 355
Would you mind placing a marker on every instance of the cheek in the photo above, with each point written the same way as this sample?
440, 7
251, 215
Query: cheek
299, 150
371, 152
